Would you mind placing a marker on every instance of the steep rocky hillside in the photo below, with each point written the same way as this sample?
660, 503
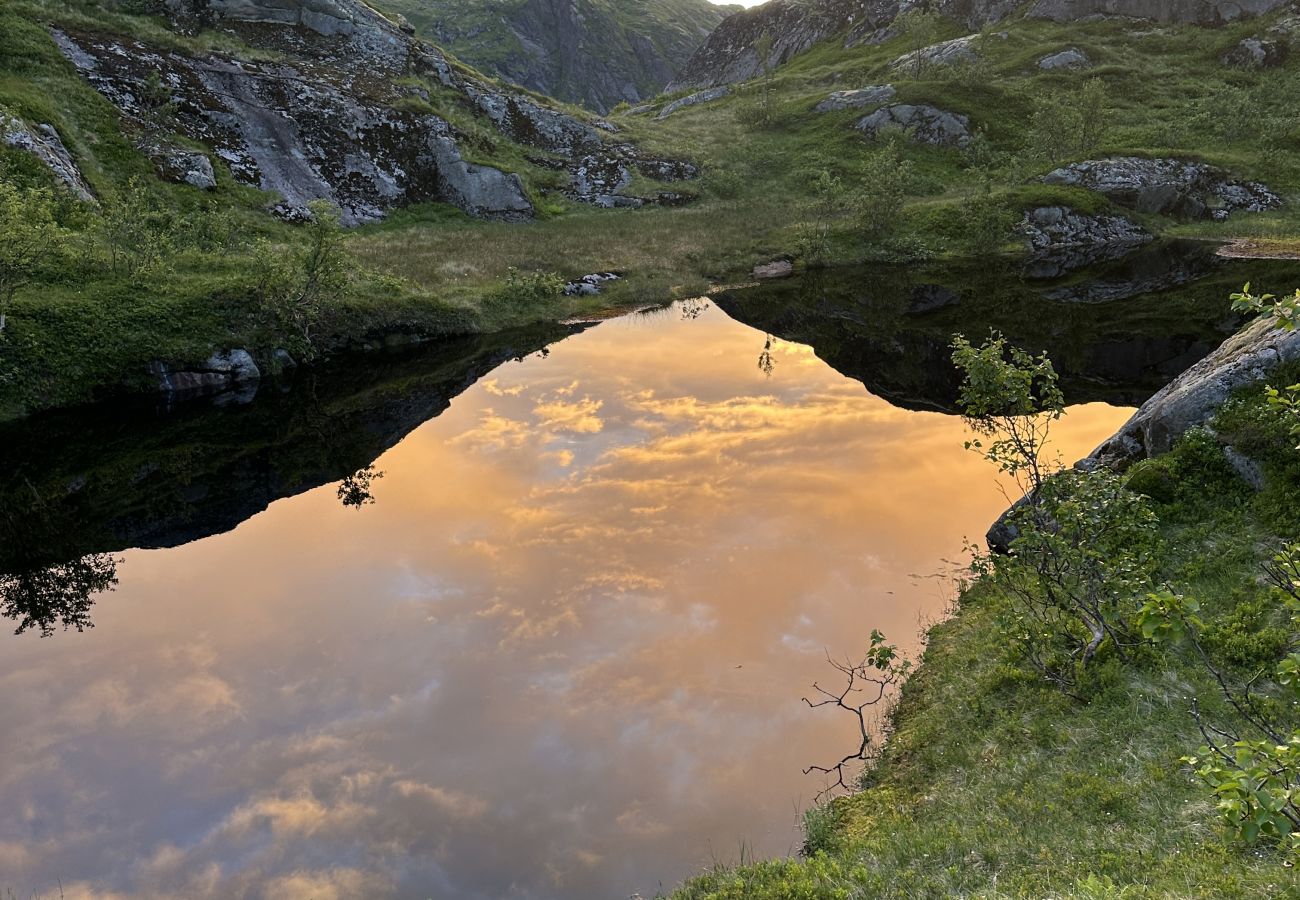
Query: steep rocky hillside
594, 52
328, 99
794, 26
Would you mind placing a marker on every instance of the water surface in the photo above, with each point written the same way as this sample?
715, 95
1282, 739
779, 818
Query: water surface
561, 654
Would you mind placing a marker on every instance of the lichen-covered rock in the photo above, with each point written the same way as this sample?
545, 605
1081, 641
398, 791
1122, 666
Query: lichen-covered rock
44, 143
872, 95
921, 123
1059, 226
1192, 399
1189, 12
777, 268
1256, 53
337, 145
184, 166
946, 53
706, 96
1071, 58
1167, 186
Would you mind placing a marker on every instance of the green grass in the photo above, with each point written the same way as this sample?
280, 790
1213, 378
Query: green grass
431, 267
995, 785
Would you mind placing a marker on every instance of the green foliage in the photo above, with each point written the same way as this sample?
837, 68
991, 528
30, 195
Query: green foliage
881, 192
30, 240
1012, 397
1085, 549
295, 289
1256, 785
1069, 123
920, 28
1285, 312
985, 223
137, 231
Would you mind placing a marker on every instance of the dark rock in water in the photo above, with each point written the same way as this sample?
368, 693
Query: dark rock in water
921, 123
1191, 12
1256, 53
220, 373
926, 298
1073, 58
873, 95
1056, 227
707, 96
1140, 272
1192, 399
44, 143
1167, 186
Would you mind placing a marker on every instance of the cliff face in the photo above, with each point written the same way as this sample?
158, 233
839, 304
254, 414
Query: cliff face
728, 56
594, 52
340, 103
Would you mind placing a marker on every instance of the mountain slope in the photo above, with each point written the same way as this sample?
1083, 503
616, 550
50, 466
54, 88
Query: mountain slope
594, 52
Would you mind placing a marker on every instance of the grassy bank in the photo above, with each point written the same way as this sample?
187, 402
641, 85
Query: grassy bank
994, 784
774, 172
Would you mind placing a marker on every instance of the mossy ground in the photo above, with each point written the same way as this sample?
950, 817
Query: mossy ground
993, 784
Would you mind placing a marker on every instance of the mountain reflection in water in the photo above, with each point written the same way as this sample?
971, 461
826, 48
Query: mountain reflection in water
561, 654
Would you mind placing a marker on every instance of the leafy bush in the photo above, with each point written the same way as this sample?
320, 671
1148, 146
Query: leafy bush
1083, 546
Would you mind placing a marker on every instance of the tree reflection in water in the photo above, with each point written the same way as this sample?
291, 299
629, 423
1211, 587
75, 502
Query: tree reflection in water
354, 491
62, 593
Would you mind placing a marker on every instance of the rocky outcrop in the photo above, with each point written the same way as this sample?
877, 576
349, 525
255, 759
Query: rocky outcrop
707, 96
1189, 12
183, 166
1256, 53
1167, 186
1072, 58
729, 54
955, 52
44, 143
1053, 227
1192, 399
333, 109
921, 123
593, 52
874, 95
223, 371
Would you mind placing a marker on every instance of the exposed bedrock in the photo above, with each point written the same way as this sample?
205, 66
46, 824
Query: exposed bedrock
1167, 186
1192, 399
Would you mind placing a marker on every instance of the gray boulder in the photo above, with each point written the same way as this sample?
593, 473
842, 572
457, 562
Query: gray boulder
1073, 58
1256, 53
1051, 227
707, 96
946, 53
922, 124
222, 371
184, 166
1167, 186
1192, 399
874, 95
44, 143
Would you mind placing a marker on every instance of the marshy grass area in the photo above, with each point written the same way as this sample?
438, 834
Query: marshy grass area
993, 784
